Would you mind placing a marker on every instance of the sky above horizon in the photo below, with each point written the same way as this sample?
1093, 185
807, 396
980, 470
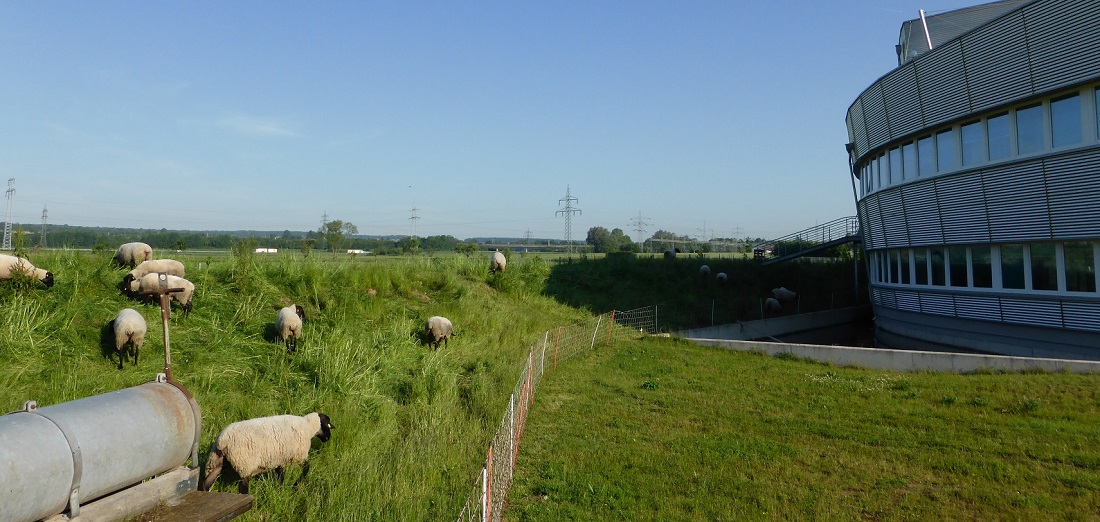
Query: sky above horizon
702, 118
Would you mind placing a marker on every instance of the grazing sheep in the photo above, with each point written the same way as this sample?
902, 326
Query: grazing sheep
10, 265
670, 254
151, 282
438, 329
704, 272
129, 327
498, 262
288, 325
772, 305
130, 254
256, 445
155, 266
722, 278
783, 294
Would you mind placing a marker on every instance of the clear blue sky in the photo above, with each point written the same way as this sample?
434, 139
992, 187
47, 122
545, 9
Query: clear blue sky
727, 115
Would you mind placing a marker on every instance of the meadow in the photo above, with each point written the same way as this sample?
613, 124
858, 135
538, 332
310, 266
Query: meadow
411, 423
661, 429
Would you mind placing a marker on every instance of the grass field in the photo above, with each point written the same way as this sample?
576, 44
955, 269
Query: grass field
411, 423
665, 430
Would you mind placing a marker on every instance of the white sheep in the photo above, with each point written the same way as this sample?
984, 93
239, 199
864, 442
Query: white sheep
130, 254
155, 266
670, 254
129, 327
783, 294
256, 445
288, 325
10, 265
498, 262
438, 329
722, 278
772, 305
151, 282
704, 272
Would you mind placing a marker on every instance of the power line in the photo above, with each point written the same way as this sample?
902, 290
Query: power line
640, 223
568, 212
7, 221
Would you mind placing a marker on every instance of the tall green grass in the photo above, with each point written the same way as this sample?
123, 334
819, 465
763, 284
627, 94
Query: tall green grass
666, 430
412, 424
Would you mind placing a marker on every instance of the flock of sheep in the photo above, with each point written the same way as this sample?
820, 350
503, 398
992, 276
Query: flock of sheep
773, 304
250, 446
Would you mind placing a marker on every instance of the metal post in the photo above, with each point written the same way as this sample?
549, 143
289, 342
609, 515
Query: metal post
164, 307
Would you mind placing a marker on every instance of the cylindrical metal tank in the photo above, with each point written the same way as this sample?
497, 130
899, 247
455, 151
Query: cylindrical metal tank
59, 456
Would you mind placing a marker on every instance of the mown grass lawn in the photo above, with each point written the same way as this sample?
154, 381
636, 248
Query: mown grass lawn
665, 430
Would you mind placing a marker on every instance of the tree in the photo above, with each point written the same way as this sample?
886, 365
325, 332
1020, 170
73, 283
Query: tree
603, 241
336, 233
410, 244
466, 248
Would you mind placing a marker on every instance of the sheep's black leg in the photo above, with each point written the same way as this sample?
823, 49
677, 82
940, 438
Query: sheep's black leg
243, 486
281, 473
135, 355
305, 470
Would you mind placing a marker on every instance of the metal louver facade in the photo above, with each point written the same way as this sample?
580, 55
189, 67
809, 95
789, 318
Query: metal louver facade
1015, 214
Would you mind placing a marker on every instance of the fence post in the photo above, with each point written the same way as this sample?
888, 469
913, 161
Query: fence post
610, 327
487, 485
512, 431
596, 331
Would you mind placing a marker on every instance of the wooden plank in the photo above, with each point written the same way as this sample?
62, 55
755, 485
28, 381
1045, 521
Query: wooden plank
205, 506
137, 499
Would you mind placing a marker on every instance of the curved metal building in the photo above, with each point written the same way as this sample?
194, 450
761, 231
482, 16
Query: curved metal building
977, 165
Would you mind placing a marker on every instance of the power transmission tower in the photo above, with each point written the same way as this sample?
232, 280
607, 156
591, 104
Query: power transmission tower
414, 218
7, 221
42, 242
568, 212
527, 239
639, 226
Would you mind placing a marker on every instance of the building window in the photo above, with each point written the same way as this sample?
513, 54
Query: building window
1029, 129
982, 266
957, 265
904, 257
1080, 267
1096, 103
1044, 267
972, 143
920, 266
894, 267
895, 174
1012, 266
1065, 121
883, 177
945, 151
999, 137
937, 259
909, 158
926, 159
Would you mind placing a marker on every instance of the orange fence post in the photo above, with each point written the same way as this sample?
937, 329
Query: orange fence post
489, 485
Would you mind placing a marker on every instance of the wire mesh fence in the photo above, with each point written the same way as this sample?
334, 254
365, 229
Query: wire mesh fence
485, 502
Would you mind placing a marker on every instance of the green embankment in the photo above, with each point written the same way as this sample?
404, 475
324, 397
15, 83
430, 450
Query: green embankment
411, 424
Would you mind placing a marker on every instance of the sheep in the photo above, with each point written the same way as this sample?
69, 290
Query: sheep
288, 326
129, 327
152, 282
670, 254
497, 263
130, 254
783, 294
772, 305
704, 272
438, 329
256, 445
155, 266
722, 278
10, 265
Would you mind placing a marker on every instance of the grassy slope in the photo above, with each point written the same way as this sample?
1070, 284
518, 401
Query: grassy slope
411, 424
665, 430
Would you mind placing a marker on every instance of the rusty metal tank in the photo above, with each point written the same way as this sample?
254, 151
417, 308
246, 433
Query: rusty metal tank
56, 457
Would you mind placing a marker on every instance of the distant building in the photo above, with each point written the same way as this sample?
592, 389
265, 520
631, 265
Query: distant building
267, 250
356, 251
977, 164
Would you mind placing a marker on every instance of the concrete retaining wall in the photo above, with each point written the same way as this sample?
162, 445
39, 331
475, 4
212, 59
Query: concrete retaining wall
906, 360
781, 325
